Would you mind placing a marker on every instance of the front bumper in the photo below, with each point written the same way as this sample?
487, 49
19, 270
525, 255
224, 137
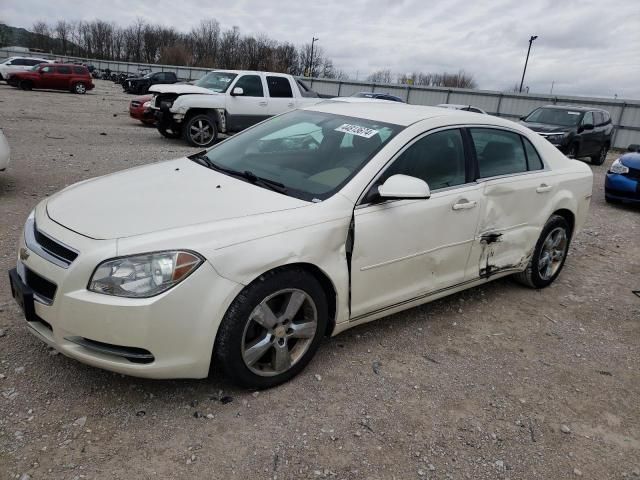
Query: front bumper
167, 336
621, 187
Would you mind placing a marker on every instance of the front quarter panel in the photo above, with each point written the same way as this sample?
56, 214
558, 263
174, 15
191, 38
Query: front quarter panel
188, 101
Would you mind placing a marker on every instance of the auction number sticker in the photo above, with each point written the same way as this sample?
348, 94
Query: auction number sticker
357, 130
573, 113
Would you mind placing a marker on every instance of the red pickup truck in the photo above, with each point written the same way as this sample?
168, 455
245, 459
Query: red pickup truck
56, 76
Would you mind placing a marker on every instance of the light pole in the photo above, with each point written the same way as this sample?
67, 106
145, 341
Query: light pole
314, 40
533, 37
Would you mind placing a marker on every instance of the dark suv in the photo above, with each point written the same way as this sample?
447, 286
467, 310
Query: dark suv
141, 85
575, 131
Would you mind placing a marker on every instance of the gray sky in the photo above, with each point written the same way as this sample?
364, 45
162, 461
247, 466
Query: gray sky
587, 47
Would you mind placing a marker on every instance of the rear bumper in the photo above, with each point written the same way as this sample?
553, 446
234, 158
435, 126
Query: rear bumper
620, 187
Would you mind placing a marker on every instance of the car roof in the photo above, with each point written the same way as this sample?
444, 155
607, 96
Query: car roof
398, 113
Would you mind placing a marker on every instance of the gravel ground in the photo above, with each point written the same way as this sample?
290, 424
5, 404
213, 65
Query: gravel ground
498, 382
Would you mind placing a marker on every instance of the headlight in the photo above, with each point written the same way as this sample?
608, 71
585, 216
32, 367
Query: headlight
141, 276
146, 104
618, 167
558, 138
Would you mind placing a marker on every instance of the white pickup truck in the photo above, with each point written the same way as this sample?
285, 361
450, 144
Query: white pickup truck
225, 101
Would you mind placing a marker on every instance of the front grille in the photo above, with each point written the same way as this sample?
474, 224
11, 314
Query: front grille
53, 247
164, 101
633, 173
40, 285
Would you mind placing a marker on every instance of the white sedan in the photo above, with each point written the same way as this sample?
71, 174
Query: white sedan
245, 256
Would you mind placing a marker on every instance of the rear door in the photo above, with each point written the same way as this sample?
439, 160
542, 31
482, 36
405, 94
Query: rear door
250, 107
280, 94
516, 187
62, 77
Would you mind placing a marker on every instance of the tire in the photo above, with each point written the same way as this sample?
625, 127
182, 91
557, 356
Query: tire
26, 85
601, 156
200, 130
250, 354
168, 133
532, 275
573, 151
80, 88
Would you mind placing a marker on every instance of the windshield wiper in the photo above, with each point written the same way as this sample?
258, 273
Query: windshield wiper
205, 161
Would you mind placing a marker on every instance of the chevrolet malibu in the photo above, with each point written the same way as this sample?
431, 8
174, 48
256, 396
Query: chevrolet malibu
243, 257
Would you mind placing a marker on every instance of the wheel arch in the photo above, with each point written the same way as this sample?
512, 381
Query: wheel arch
569, 216
325, 282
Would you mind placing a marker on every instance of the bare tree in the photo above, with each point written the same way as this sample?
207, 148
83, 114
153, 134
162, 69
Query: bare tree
63, 32
381, 76
42, 38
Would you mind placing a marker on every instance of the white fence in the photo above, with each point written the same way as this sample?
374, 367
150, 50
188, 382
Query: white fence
624, 113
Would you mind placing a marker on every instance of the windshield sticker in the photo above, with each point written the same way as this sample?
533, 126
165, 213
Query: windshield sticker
357, 130
573, 113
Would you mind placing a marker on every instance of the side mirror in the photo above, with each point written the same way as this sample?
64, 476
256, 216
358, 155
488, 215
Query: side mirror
524, 117
587, 126
399, 187
237, 92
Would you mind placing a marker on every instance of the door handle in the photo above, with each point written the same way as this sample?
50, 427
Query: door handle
543, 188
263, 104
464, 204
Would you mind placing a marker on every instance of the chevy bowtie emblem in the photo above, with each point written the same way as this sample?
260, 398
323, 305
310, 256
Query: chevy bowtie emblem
24, 254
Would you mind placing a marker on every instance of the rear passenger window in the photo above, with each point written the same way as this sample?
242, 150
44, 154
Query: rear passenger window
533, 159
279, 87
64, 70
499, 152
438, 159
32, 62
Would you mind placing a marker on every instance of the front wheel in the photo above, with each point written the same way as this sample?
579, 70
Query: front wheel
26, 85
573, 151
601, 156
272, 329
549, 254
200, 130
168, 133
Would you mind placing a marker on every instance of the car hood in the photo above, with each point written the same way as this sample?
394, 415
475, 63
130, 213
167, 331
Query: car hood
161, 196
631, 160
181, 89
546, 128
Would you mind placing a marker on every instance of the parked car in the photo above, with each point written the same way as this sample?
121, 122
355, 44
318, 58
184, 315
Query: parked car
140, 85
466, 108
18, 64
576, 131
55, 76
378, 96
5, 152
140, 109
245, 256
225, 101
622, 183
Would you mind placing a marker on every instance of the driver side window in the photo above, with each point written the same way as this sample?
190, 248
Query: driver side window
251, 85
588, 119
438, 159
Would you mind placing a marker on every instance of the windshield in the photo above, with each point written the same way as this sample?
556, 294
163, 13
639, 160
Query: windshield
216, 81
311, 154
554, 116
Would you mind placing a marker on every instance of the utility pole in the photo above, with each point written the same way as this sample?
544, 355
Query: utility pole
310, 71
531, 39
552, 83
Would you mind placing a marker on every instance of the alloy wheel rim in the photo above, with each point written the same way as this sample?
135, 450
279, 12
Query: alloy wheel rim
552, 254
201, 132
279, 332
80, 88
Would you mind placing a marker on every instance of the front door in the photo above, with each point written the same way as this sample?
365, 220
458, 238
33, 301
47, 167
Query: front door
404, 249
589, 144
250, 107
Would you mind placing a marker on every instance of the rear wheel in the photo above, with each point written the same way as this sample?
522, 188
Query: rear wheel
200, 130
272, 329
79, 88
601, 156
549, 254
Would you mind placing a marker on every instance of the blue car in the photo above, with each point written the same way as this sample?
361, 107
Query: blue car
623, 179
